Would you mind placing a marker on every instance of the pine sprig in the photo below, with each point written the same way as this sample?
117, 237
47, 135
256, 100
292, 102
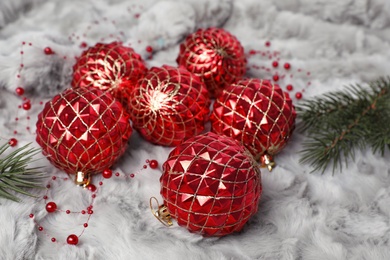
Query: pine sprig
16, 175
340, 122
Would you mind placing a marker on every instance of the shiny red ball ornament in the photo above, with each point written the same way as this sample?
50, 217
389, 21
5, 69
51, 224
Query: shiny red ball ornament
211, 185
72, 239
110, 67
169, 105
258, 114
214, 55
83, 130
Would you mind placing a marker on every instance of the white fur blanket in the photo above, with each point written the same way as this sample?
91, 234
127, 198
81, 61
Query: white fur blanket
301, 215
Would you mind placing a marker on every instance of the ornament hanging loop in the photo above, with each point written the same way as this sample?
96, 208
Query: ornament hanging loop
82, 179
162, 213
266, 161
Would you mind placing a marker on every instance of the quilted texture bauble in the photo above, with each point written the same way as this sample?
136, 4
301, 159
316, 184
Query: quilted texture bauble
83, 130
257, 113
211, 185
169, 105
214, 55
110, 67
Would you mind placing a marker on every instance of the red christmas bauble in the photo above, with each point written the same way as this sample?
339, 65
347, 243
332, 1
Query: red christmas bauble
169, 105
257, 113
110, 67
211, 185
214, 55
83, 130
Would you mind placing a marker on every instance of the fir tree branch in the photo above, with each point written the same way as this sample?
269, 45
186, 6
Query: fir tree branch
340, 122
15, 175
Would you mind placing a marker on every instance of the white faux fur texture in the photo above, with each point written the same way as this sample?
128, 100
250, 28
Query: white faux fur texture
302, 215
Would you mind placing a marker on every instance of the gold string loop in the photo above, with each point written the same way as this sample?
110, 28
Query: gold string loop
162, 213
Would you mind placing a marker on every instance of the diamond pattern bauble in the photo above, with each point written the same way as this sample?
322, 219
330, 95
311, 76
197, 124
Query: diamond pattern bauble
214, 55
211, 185
111, 67
83, 130
257, 113
169, 105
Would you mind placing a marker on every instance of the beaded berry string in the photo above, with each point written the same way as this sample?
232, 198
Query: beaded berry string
278, 70
52, 207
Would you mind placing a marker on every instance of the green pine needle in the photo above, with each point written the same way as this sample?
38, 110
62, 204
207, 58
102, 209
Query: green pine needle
15, 174
339, 123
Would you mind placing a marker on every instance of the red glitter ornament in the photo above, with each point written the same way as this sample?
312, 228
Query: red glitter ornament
110, 67
169, 105
211, 185
214, 55
83, 130
258, 114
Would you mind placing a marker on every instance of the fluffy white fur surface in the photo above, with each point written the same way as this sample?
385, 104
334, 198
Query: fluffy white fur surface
301, 215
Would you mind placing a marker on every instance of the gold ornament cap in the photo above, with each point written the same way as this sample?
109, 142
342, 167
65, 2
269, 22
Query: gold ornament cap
82, 179
267, 161
162, 213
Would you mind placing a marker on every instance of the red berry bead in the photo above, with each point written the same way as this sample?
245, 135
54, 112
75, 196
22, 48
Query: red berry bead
132, 175
117, 174
53, 239
13, 142
48, 51
275, 77
298, 95
31, 215
83, 212
107, 173
19, 91
72, 239
149, 49
51, 207
287, 66
67, 211
267, 44
289, 87
91, 187
153, 164
26, 105
85, 225
90, 212
275, 64
40, 228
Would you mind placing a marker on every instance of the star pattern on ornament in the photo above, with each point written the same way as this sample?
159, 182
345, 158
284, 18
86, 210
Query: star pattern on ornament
210, 185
